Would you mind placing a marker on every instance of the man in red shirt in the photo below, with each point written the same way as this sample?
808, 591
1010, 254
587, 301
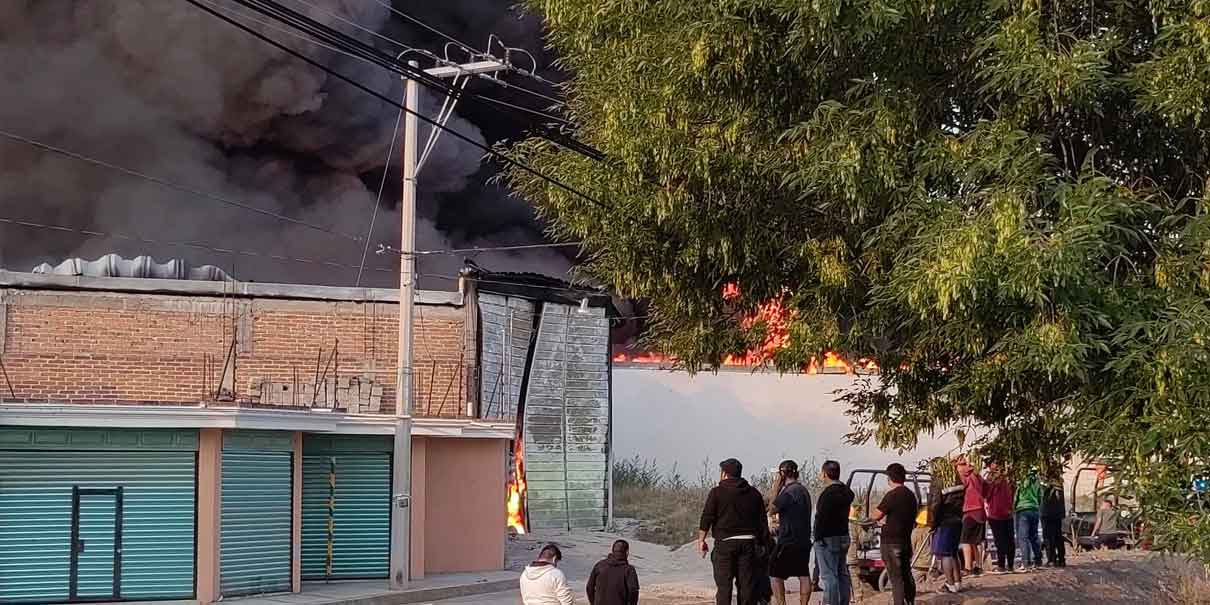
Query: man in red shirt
999, 496
974, 518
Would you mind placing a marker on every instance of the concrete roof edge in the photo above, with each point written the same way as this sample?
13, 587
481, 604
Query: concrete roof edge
196, 416
178, 287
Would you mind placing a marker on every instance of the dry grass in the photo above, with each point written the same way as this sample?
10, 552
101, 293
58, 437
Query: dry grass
667, 506
1193, 586
667, 516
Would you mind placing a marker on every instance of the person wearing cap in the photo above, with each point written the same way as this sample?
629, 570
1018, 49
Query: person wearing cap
792, 555
734, 515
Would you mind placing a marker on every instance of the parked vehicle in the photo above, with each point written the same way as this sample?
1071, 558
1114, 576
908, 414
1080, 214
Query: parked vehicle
869, 485
1092, 485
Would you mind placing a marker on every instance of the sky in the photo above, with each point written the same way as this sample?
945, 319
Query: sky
761, 419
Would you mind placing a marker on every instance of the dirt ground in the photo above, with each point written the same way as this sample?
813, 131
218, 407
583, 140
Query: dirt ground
681, 577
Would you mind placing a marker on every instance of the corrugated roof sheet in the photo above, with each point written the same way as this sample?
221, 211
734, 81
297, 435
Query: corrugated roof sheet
112, 265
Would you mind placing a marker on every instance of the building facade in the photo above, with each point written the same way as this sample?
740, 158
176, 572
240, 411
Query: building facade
174, 439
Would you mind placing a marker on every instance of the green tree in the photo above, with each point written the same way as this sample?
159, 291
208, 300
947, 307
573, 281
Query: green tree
1000, 203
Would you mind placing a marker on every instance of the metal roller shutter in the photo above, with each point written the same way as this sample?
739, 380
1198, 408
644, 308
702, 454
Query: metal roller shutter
135, 507
257, 528
346, 509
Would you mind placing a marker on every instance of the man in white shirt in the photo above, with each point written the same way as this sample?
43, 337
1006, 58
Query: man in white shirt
543, 583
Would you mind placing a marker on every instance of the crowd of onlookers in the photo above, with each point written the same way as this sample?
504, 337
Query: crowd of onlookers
760, 544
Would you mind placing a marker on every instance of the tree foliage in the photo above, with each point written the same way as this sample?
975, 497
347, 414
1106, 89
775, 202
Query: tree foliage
1001, 203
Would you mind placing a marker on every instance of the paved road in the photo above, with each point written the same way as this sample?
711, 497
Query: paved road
514, 598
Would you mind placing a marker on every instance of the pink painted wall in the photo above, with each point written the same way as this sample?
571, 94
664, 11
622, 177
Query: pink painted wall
209, 513
419, 482
464, 528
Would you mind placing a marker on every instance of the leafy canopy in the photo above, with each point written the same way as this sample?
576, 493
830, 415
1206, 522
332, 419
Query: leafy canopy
1001, 203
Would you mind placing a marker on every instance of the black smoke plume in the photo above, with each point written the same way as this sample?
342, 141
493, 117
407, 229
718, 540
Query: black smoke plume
164, 88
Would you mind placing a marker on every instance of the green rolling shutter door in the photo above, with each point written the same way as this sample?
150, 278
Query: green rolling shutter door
149, 528
346, 506
257, 529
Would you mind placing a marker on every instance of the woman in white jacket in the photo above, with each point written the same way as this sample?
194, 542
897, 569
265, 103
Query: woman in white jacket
543, 583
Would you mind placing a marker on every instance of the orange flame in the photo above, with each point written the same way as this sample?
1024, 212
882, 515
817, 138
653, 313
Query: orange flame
776, 319
515, 505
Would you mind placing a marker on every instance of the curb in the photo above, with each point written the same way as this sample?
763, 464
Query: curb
429, 594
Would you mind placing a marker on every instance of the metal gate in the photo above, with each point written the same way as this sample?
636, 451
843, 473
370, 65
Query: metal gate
257, 513
346, 508
94, 523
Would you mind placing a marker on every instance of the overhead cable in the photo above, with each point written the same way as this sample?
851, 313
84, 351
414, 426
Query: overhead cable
171, 185
279, 12
386, 170
467, 47
507, 159
382, 248
195, 245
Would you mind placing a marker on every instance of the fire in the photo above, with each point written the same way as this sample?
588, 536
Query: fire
775, 318
516, 490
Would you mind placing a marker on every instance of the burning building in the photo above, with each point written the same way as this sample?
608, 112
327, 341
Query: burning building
545, 364
207, 438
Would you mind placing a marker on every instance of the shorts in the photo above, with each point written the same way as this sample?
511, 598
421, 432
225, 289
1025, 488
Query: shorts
945, 540
973, 532
790, 561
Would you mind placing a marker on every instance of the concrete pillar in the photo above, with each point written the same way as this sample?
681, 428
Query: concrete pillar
209, 513
419, 464
296, 518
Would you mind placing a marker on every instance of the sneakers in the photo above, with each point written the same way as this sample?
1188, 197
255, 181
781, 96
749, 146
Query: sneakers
952, 588
978, 571
996, 571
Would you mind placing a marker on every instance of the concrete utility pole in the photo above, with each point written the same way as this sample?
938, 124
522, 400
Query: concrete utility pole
401, 479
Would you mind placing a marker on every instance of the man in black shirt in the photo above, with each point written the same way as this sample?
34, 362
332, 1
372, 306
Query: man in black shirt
898, 515
734, 515
832, 535
792, 555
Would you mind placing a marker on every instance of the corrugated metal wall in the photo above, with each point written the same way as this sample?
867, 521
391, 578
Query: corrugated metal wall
347, 484
566, 425
257, 526
156, 471
506, 325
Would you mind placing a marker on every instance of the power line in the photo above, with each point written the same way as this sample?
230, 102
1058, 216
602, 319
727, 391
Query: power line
385, 248
386, 170
487, 149
468, 48
534, 112
169, 184
421, 51
355, 24
509, 85
196, 245
277, 11
287, 30
446, 61
515, 283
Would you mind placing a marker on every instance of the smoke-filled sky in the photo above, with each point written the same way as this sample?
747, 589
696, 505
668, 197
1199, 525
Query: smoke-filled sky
761, 418
164, 88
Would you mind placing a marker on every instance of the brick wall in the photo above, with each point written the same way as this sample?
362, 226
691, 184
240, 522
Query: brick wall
108, 347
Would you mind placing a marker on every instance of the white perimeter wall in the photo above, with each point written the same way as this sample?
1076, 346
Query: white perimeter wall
758, 418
